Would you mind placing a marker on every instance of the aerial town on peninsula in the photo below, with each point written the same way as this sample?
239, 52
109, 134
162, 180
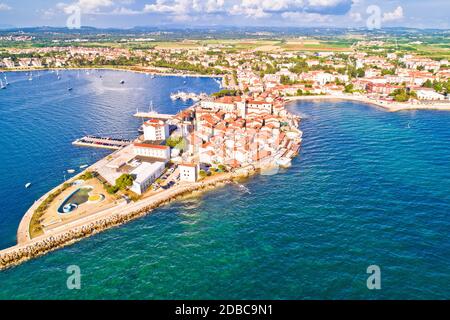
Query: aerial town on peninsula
243, 128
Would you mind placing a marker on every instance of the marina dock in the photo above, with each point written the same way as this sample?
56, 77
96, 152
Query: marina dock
101, 142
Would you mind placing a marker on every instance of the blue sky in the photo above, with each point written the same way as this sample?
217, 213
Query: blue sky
294, 13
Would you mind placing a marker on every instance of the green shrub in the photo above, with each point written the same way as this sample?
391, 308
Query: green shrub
112, 189
124, 181
88, 175
202, 174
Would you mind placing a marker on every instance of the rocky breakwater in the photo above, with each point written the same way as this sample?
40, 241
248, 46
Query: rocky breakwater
40, 246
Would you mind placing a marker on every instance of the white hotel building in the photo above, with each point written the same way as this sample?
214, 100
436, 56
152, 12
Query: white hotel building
156, 130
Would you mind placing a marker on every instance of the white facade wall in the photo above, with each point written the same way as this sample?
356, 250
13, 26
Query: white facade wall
152, 152
145, 175
156, 132
188, 173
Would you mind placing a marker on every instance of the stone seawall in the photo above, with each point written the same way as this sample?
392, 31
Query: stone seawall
23, 252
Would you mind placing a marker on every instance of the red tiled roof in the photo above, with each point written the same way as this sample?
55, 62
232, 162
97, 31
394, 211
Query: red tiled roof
150, 146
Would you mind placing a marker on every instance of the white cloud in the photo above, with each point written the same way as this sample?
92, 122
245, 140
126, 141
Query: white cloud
185, 7
181, 10
172, 7
305, 17
250, 12
4, 7
86, 6
355, 16
248, 8
395, 15
324, 3
122, 11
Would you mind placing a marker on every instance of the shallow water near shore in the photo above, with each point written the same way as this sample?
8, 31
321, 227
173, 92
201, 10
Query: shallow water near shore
369, 187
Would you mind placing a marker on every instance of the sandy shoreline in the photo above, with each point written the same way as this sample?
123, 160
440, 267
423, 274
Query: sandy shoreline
391, 107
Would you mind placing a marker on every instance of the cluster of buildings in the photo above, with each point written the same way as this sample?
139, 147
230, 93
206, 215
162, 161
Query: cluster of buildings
147, 159
239, 131
328, 75
228, 132
59, 57
251, 128
326, 72
16, 38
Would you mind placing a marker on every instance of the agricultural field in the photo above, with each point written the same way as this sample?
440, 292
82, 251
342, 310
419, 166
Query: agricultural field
315, 45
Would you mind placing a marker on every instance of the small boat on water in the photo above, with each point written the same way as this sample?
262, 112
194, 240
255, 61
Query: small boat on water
2, 86
70, 89
122, 82
71, 171
30, 78
244, 189
28, 185
84, 166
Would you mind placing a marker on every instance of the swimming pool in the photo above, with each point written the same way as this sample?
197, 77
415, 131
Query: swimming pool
73, 201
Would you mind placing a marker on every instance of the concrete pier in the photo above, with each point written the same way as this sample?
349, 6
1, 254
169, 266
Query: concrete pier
104, 143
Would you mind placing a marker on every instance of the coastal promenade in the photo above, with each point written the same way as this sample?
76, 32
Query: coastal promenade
387, 105
74, 231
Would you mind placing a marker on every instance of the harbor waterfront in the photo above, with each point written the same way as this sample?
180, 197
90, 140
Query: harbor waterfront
248, 135
41, 119
317, 220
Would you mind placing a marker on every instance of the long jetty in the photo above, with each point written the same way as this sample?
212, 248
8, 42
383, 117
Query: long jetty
93, 224
101, 142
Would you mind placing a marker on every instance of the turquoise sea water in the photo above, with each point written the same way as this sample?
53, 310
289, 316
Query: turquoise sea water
369, 187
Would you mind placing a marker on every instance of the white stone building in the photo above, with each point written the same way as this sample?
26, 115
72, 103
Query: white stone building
152, 151
156, 130
145, 175
188, 172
